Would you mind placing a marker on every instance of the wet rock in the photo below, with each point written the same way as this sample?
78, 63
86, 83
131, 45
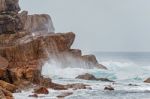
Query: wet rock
77, 86
58, 86
41, 90
8, 86
64, 94
133, 85
34, 95
88, 76
109, 87
147, 80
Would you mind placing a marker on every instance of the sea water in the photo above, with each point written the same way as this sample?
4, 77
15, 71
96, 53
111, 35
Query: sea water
123, 67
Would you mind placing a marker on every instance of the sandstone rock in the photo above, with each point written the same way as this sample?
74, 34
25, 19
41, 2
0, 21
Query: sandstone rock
6, 93
2, 95
92, 77
7, 86
75, 52
100, 66
9, 23
28, 49
41, 90
9, 5
147, 80
3, 63
37, 23
64, 94
90, 60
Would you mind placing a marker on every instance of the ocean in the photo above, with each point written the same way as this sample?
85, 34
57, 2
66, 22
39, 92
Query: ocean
123, 67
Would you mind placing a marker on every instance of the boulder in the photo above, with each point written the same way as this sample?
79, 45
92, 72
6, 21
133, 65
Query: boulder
88, 76
41, 90
8, 86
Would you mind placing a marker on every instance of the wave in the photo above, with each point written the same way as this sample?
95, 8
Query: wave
118, 71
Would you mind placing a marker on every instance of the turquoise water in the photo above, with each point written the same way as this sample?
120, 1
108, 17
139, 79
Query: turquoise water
123, 68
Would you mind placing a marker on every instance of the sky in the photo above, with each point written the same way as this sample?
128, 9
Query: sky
99, 25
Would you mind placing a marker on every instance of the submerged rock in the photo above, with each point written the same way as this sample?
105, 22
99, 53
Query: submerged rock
109, 87
64, 94
88, 76
34, 95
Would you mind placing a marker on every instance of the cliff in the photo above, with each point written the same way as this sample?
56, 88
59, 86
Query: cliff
27, 42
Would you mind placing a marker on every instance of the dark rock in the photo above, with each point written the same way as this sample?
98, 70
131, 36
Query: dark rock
109, 87
86, 77
9, 5
92, 77
34, 95
133, 85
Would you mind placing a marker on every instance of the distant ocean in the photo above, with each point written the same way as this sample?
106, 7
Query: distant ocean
139, 58
123, 67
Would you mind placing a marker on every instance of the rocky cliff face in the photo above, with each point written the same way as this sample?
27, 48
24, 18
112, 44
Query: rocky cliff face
28, 41
40, 23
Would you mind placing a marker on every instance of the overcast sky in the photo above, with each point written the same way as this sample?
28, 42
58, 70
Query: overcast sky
100, 25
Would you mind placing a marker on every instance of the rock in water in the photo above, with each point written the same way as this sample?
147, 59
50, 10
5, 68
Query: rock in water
92, 77
41, 90
109, 87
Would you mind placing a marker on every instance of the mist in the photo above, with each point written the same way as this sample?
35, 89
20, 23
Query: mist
100, 25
